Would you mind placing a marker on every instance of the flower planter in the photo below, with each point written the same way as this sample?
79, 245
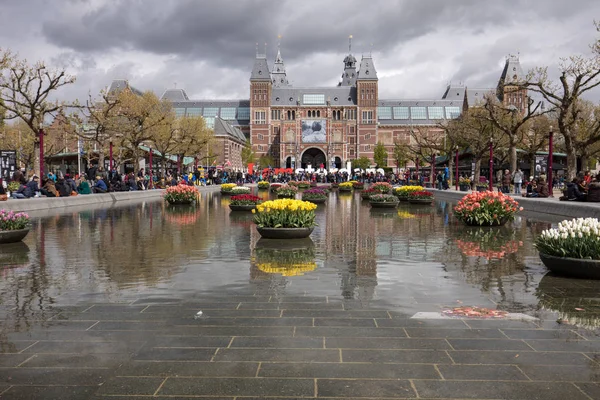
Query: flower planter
316, 201
572, 267
13, 236
366, 196
344, 189
420, 201
403, 199
242, 207
482, 188
284, 233
226, 193
384, 204
464, 188
286, 196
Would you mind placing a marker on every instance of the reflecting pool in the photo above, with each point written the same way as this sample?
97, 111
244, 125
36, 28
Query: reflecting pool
410, 259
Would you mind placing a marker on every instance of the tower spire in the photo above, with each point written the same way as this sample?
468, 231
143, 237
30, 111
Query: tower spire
278, 74
350, 44
349, 75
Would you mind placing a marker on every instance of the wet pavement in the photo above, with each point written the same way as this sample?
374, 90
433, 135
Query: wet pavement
146, 301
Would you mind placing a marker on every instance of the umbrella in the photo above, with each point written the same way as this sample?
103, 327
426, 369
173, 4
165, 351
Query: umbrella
333, 170
298, 170
370, 170
380, 171
358, 170
343, 170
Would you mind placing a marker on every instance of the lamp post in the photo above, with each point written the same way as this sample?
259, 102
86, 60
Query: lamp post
41, 138
110, 156
456, 175
550, 154
491, 184
150, 169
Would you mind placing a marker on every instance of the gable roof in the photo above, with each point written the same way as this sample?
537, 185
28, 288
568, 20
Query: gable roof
223, 129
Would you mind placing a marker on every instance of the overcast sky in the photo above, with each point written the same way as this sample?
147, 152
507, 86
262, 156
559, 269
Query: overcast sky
208, 47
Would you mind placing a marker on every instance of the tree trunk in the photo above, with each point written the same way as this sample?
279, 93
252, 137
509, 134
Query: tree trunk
477, 173
451, 168
571, 159
512, 153
101, 157
531, 165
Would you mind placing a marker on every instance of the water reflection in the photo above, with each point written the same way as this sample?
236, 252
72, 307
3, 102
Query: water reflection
413, 258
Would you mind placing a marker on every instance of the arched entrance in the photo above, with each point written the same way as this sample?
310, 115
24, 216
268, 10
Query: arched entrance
338, 162
288, 162
313, 157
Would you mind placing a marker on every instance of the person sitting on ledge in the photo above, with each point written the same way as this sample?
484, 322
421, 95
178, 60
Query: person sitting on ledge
64, 189
84, 186
100, 186
540, 190
48, 188
28, 190
573, 192
594, 190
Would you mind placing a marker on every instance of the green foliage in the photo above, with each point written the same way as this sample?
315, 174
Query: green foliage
266, 161
362, 163
380, 155
400, 154
248, 156
285, 213
383, 198
486, 208
11, 221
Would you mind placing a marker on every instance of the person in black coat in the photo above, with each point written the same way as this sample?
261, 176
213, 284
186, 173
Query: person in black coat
573, 191
63, 188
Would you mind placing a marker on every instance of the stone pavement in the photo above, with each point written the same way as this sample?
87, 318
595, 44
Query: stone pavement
246, 346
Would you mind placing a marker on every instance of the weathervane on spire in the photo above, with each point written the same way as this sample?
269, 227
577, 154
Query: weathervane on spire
350, 44
256, 49
278, 42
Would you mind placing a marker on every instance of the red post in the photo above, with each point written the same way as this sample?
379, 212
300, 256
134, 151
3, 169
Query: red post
550, 155
432, 174
179, 165
150, 183
195, 163
456, 177
491, 185
110, 156
41, 134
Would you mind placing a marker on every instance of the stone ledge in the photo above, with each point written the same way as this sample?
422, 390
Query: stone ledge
107, 199
551, 206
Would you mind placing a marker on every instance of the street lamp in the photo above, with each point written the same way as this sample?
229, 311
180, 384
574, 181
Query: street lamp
456, 176
550, 154
491, 183
41, 141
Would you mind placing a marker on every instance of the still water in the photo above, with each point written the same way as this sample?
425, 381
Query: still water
414, 258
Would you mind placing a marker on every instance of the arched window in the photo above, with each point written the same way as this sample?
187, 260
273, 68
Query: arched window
318, 113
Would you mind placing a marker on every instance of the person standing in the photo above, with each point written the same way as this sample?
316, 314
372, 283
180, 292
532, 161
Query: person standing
518, 180
506, 178
446, 177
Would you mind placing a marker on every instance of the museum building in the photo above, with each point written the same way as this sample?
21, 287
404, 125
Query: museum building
301, 126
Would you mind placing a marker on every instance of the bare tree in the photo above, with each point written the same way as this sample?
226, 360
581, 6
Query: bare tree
511, 122
578, 75
587, 131
25, 90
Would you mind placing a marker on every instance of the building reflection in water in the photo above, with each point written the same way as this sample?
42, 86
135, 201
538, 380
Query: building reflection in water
408, 258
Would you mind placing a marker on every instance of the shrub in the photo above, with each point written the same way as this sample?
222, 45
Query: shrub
13, 186
486, 208
11, 221
181, 194
577, 238
245, 200
314, 194
383, 198
240, 190
263, 185
285, 213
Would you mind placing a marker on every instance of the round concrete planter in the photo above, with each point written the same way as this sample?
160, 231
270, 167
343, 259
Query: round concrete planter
179, 203
317, 201
242, 207
382, 204
13, 236
495, 223
284, 233
286, 196
344, 189
226, 192
420, 201
572, 267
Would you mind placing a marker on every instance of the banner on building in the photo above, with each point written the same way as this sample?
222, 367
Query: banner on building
541, 166
8, 163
